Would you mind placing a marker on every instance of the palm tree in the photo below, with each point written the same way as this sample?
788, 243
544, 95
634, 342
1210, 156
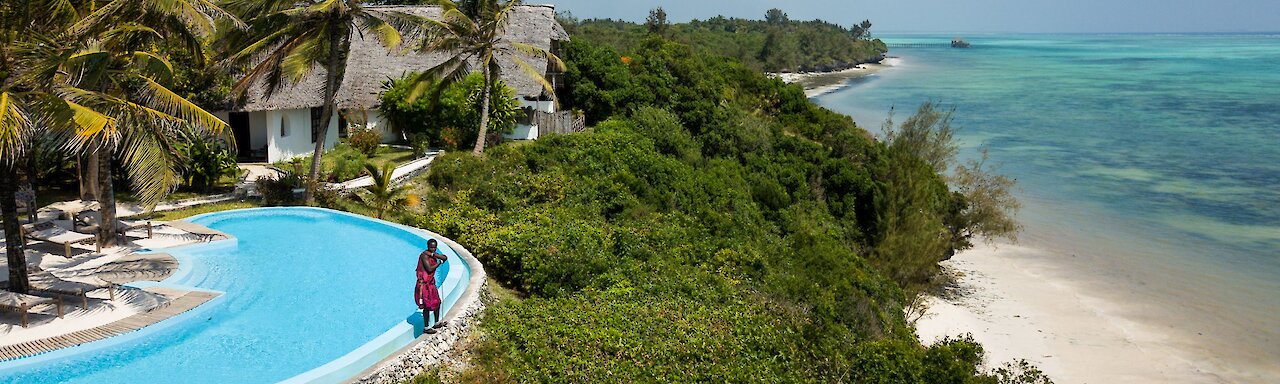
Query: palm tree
289, 38
106, 74
478, 39
15, 128
20, 107
383, 195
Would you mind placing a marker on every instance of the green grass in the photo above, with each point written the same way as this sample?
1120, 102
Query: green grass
385, 155
202, 209
227, 184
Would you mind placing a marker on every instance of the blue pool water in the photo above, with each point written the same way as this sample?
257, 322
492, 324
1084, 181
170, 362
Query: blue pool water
1149, 164
303, 287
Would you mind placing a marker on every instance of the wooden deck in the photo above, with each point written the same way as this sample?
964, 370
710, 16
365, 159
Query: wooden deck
174, 307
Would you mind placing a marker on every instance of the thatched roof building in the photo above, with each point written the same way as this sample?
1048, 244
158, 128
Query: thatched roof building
370, 64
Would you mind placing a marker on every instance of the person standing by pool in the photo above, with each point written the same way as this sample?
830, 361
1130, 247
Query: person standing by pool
425, 292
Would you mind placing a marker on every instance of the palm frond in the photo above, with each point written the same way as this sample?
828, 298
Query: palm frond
530, 50
448, 72
386, 34
533, 73
252, 50
302, 59
152, 170
97, 18
268, 68
162, 99
153, 65
89, 124
125, 34
217, 13
15, 127
409, 25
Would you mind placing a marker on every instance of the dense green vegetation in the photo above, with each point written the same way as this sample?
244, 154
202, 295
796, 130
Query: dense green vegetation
776, 44
450, 119
714, 225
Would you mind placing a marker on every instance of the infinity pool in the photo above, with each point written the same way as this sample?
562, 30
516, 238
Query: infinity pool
303, 287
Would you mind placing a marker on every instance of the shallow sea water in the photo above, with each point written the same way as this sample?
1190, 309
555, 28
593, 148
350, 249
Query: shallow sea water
1150, 163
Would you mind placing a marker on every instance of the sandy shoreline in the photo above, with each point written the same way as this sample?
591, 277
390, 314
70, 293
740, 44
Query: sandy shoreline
1020, 305
820, 83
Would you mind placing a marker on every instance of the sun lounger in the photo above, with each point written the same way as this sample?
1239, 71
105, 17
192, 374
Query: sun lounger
88, 221
48, 232
23, 303
45, 282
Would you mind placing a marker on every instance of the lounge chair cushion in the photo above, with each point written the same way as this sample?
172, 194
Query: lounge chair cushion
46, 231
18, 300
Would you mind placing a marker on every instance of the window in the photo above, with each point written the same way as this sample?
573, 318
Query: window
344, 128
316, 124
284, 126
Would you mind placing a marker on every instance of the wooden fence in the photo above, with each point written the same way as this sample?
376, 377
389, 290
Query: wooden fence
558, 122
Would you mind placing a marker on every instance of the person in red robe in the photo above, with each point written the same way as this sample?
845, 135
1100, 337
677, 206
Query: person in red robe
425, 292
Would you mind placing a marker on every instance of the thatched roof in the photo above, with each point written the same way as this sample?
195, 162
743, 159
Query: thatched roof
370, 64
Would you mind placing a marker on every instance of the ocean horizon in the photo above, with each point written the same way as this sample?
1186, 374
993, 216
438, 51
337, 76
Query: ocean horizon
1149, 163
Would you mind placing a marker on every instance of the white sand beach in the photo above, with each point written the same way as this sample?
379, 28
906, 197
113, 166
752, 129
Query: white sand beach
821, 83
1019, 305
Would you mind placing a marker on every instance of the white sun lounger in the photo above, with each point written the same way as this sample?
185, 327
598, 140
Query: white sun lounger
48, 232
23, 303
92, 218
45, 282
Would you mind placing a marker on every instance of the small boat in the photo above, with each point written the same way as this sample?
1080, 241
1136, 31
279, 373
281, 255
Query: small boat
959, 43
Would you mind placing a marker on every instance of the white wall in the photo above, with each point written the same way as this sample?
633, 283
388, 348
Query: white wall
545, 106
530, 132
298, 142
389, 135
522, 132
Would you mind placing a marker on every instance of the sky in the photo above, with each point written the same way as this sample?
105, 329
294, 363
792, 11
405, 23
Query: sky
1032, 16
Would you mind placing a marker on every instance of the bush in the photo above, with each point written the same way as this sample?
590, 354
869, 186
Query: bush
420, 143
205, 159
279, 190
365, 140
448, 118
328, 197
348, 166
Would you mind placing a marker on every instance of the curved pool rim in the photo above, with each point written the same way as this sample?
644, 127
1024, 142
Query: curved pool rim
461, 286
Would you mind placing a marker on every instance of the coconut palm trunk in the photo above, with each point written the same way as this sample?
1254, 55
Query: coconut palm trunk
12, 234
484, 113
106, 198
333, 78
89, 177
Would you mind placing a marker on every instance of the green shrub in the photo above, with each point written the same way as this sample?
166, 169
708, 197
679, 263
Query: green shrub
365, 140
205, 159
448, 118
279, 190
347, 166
421, 144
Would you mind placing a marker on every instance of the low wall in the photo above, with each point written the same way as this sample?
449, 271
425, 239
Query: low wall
429, 350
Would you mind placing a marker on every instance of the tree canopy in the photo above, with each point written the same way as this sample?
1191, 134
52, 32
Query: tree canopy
775, 44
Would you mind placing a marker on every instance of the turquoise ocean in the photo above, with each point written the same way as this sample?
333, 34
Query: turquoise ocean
1148, 164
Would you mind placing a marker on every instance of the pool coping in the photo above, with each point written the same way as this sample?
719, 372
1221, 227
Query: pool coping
162, 325
428, 349
179, 305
